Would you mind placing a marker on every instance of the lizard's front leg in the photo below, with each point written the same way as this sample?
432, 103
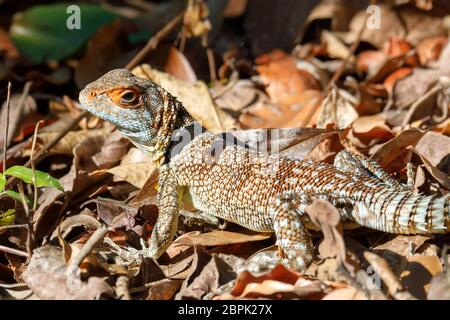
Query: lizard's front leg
166, 224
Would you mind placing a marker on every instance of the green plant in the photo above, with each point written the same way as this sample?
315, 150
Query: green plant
25, 174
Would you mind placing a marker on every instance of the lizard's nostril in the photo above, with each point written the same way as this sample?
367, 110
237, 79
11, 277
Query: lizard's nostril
92, 94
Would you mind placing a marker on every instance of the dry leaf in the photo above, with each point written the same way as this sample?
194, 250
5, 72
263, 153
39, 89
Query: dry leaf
219, 238
46, 276
134, 173
178, 66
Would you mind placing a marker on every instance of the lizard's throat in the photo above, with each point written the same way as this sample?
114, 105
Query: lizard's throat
155, 136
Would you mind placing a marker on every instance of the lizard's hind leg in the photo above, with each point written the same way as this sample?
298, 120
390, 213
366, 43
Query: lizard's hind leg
353, 163
292, 235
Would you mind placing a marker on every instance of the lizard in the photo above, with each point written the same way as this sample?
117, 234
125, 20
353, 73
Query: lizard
261, 192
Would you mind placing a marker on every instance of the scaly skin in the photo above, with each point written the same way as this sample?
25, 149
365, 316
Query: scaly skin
258, 191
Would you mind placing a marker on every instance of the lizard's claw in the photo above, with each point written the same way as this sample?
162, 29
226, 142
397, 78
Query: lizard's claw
128, 255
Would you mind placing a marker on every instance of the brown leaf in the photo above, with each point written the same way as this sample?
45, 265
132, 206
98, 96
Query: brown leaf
419, 272
46, 276
68, 142
7, 47
336, 12
77, 183
369, 61
437, 174
323, 214
82, 219
395, 47
295, 111
102, 54
234, 8
149, 271
283, 80
391, 80
338, 108
164, 289
430, 49
134, 173
178, 66
403, 245
17, 114
214, 274
439, 287
413, 87
391, 150
219, 238
411, 25
238, 95
435, 147
370, 130
279, 283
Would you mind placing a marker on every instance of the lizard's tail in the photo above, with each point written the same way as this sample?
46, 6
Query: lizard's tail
404, 213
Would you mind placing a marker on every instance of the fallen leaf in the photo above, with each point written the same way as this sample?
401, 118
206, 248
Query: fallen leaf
214, 274
429, 49
418, 273
7, 47
164, 289
46, 277
103, 53
219, 237
177, 65
439, 287
134, 173
338, 108
323, 214
391, 150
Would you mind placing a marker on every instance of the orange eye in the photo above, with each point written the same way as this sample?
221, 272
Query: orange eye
125, 98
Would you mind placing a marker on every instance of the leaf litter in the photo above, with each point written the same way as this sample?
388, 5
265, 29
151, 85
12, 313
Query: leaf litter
387, 98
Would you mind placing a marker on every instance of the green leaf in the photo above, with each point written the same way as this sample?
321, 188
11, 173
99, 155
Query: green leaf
7, 218
2, 181
26, 175
41, 32
16, 196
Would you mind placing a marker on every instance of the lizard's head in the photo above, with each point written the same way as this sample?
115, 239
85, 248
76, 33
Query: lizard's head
139, 108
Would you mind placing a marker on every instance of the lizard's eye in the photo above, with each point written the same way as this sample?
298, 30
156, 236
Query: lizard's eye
128, 97
125, 98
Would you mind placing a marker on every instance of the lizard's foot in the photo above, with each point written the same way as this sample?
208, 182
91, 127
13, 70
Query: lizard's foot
128, 255
353, 163
292, 236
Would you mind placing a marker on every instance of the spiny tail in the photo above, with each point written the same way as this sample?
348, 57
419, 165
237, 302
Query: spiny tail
403, 212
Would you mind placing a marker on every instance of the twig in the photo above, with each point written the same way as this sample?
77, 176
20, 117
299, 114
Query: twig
350, 54
21, 105
33, 167
210, 56
5, 142
153, 42
412, 110
12, 226
96, 237
14, 251
381, 267
30, 237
